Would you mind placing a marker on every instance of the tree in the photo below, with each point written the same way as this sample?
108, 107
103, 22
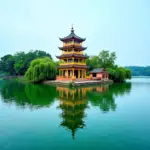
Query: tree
10, 66
107, 59
111, 73
41, 69
18, 63
119, 74
128, 73
7, 64
93, 62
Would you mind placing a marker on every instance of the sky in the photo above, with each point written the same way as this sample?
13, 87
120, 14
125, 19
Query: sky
122, 26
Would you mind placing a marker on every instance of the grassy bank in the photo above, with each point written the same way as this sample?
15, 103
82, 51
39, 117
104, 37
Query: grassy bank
20, 79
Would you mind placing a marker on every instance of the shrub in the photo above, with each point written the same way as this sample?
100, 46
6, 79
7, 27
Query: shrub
41, 69
119, 74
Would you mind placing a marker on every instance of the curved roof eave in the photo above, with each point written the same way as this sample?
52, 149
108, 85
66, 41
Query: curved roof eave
72, 35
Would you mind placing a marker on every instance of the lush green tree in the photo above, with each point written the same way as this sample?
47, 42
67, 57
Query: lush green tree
41, 69
128, 73
57, 63
111, 72
7, 64
93, 62
119, 74
106, 59
18, 63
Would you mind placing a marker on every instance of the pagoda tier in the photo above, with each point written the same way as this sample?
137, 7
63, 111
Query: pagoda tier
72, 36
72, 55
72, 47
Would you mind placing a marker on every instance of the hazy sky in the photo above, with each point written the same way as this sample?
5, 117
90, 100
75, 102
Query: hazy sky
122, 26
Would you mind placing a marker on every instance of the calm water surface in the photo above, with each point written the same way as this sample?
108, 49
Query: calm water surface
108, 117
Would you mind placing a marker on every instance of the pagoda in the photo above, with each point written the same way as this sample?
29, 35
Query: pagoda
72, 60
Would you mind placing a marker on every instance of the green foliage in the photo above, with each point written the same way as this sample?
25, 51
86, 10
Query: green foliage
128, 73
57, 63
18, 63
6, 64
41, 69
93, 62
111, 73
119, 74
105, 59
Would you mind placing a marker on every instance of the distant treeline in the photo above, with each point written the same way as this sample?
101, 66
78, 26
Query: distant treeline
139, 71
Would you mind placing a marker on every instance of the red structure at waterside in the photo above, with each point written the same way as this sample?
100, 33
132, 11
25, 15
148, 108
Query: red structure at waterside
99, 74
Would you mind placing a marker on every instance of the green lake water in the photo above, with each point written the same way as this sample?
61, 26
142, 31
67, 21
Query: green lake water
105, 117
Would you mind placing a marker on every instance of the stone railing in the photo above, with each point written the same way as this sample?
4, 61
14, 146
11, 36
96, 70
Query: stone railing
72, 63
72, 52
72, 43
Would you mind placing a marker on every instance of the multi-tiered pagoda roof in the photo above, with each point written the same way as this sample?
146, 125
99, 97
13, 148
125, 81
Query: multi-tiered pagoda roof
72, 60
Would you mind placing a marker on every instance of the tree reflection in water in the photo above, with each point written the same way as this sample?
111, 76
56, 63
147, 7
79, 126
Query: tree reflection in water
73, 102
31, 96
104, 96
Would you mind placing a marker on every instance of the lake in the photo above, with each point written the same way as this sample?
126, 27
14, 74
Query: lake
106, 117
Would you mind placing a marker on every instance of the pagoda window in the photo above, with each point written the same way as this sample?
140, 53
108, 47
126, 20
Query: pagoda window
65, 60
75, 60
76, 50
69, 60
77, 42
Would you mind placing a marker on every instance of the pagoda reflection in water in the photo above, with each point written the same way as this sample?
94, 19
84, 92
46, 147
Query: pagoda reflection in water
73, 103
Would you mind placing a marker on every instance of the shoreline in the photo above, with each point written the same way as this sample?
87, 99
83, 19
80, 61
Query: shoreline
77, 83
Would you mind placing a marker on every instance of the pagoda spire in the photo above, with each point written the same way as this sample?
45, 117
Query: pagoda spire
72, 29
